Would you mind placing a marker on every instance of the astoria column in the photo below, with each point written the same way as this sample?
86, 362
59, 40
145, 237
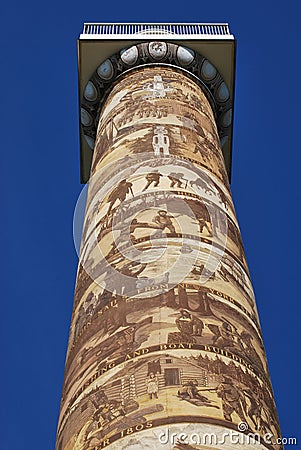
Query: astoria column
165, 342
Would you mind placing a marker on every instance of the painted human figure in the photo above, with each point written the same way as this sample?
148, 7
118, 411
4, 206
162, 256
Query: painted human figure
175, 179
183, 296
188, 324
256, 398
122, 281
130, 273
198, 148
233, 399
204, 303
189, 391
152, 177
106, 410
90, 305
204, 224
152, 384
80, 322
119, 193
163, 220
160, 141
259, 412
224, 335
201, 271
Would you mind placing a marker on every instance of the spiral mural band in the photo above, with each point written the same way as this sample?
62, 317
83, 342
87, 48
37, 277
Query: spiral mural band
150, 53
165, 336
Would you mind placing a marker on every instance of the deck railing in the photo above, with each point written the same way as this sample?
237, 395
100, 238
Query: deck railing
134, 30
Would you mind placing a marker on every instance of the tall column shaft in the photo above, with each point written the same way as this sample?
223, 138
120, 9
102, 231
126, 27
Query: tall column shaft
165, 337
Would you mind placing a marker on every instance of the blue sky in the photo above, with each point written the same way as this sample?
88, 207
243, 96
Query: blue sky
40, 186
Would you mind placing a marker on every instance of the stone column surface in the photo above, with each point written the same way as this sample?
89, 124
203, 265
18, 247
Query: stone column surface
165, 342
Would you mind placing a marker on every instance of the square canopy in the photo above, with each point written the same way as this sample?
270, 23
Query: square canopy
99, 41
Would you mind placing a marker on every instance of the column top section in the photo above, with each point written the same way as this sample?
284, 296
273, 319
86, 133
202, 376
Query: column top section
101, 42
156, 30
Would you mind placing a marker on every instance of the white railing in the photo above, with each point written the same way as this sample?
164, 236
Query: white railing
134, 30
